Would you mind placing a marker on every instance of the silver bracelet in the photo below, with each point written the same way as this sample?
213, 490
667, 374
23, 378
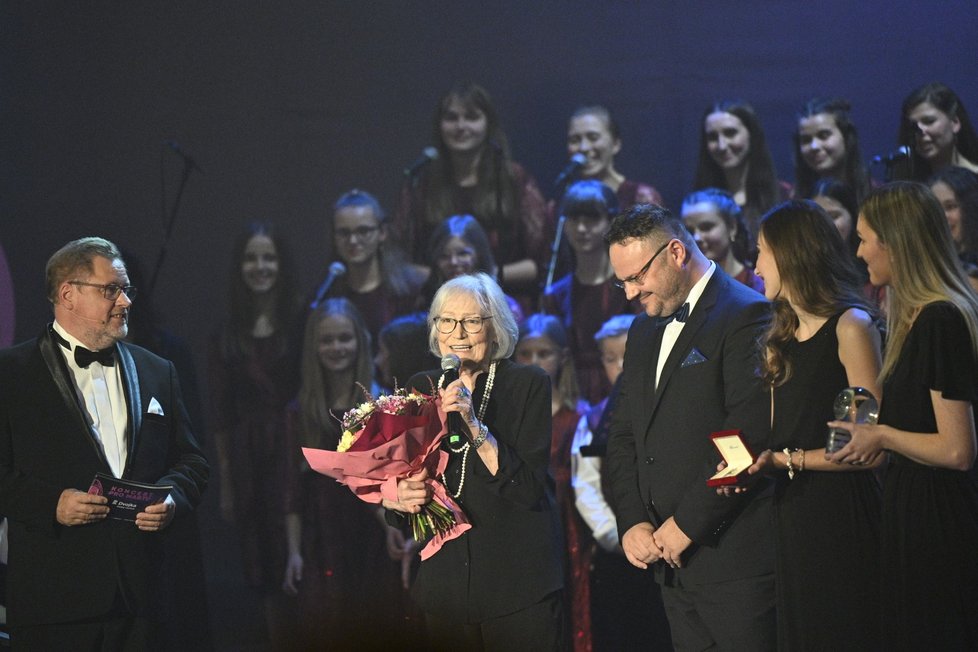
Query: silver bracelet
480, 439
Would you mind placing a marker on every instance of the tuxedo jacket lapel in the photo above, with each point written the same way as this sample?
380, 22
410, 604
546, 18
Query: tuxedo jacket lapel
66, 390
130, 383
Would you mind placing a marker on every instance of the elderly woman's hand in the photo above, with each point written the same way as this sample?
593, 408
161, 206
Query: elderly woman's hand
456, 397
412, 493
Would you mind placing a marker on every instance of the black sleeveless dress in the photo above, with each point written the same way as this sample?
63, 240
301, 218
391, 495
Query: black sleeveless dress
826, 523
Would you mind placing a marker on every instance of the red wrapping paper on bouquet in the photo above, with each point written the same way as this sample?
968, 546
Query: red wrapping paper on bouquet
393, 446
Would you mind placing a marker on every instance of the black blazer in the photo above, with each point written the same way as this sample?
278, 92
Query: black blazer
512, 556
58, 573
660, 453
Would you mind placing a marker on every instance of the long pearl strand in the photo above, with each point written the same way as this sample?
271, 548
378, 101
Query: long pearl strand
464, 450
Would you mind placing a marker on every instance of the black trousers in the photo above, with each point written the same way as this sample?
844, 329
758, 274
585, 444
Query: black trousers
736, 615
537, 628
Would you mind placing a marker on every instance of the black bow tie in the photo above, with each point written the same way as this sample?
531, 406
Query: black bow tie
680, 315
84, 357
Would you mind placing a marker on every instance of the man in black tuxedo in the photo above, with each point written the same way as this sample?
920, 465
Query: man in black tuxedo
75, 401
689, 371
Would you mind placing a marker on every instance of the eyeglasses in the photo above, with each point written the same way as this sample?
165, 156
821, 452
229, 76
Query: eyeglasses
636, 279
110, 291
471, 325
362, 232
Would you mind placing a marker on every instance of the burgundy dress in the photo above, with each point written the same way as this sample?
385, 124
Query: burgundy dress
577, 535
248, 398
378, 307
750, 279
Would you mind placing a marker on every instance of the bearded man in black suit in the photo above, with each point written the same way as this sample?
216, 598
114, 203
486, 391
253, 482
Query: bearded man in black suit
689, 371
75, 401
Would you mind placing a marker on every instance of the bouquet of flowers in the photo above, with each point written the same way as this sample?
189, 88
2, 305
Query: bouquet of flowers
390, 437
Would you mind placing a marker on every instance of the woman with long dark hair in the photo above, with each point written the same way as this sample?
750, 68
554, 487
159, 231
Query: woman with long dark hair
822, 339
935, 126
827, 145
475, 175
253, 372
734, 156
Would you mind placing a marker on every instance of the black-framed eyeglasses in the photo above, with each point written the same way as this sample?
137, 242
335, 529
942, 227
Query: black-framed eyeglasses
110, 291
636, 279
362, 232
471, 325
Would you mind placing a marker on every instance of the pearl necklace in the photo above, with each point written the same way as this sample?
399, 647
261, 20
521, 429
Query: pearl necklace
464, 450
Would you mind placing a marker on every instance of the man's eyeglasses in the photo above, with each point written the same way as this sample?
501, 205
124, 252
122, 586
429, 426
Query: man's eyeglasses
471, 325
362, 232
110, 291
636, 279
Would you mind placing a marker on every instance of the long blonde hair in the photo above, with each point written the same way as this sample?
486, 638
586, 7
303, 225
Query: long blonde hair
910, 224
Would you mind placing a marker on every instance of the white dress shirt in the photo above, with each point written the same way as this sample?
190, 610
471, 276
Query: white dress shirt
99, 389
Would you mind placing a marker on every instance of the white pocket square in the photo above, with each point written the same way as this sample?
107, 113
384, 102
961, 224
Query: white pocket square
154, 407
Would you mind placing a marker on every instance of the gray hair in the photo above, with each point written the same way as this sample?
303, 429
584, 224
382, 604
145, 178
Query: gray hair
490, 298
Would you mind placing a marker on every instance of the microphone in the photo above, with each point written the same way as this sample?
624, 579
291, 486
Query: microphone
570, 171
336, 270
188, 160
428, 154
901, 153
450, 364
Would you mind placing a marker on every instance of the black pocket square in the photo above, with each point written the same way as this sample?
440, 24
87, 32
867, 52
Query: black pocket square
694, 357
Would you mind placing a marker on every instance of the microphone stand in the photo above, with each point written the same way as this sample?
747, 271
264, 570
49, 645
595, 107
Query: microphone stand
184, 177
554, 252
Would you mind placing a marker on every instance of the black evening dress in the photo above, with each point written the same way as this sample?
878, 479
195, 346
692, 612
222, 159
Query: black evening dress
929, 555
827, 523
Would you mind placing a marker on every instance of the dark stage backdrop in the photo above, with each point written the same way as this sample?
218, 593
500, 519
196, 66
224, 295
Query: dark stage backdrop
285, 105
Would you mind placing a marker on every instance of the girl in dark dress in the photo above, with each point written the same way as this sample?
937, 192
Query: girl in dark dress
474, 174
821, 340
587, 296
337, 563
929, 525
957, 190
252, 373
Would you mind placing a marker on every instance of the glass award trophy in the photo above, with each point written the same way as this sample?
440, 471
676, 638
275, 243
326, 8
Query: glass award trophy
853, 404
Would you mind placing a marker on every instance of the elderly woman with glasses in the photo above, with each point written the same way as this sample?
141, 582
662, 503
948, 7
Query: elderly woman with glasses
499, 585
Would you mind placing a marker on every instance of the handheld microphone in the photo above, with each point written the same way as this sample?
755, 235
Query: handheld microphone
336, 270
428, 154
901, 153
570, 171
188, 160
450, 364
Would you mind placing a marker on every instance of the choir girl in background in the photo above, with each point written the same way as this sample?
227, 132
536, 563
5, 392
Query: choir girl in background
337, 561
827, 145
626, 605
543, 342
593, 132
587, 297
957, 191
475, 175
717, 225
935, 126
459, 245
734, 156
821, 340
402, 350
379, 281
839, 202
253, 371
929, 529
